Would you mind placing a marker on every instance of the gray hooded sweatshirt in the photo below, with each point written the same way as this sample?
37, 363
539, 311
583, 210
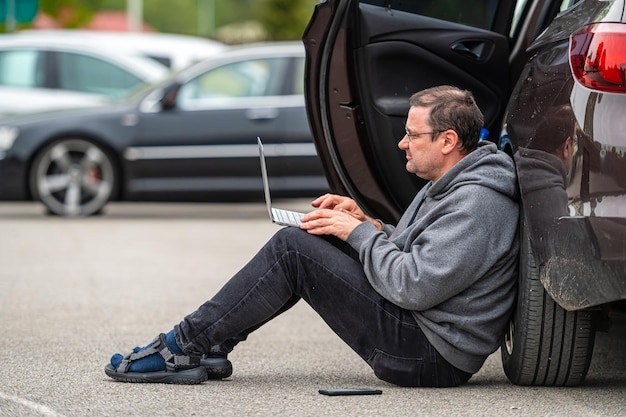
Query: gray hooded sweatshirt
455, 264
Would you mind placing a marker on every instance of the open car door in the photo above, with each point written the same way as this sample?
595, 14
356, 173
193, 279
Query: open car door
366, 58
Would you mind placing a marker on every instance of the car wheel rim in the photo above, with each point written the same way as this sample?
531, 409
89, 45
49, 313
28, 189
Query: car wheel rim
74, 178
509, 338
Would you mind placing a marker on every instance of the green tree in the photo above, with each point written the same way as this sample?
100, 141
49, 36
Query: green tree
280, 19
171, 16
181, 16
70, 13
285, 19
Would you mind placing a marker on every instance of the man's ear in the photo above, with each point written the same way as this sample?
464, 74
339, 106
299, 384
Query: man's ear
566, 150
568, 147
450, 141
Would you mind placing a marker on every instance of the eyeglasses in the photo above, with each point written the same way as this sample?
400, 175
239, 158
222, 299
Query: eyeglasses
411, 136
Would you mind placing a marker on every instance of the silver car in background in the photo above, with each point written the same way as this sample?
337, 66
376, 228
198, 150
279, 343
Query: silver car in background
46, 70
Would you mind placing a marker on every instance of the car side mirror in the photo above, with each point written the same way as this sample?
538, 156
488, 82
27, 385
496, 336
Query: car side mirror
168, 101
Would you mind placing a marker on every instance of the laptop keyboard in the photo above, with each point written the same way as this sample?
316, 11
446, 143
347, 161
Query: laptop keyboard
287, 216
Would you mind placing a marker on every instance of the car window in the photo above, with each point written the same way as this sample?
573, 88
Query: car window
21, 68
93, 75
252, 78
298, 79
478, 13
520, 10
566, 4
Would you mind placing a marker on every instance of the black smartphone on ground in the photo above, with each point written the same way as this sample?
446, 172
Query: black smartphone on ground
350, 391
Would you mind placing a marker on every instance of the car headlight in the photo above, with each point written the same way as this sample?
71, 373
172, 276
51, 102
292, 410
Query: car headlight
8, 134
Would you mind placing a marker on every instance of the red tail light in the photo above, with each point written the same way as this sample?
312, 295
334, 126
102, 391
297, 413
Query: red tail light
598, 56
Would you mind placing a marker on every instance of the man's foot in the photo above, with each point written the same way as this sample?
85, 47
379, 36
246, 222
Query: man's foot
160, 361
217, 364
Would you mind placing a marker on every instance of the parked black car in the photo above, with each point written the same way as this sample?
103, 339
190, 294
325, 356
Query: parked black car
192, 137
549, 75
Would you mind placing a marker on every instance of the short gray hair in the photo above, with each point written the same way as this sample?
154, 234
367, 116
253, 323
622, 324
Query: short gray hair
452, 108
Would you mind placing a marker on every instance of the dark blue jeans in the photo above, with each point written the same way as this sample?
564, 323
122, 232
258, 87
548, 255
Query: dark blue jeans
326, 273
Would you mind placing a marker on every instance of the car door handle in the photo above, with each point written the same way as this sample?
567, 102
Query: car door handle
470, 49
268, 113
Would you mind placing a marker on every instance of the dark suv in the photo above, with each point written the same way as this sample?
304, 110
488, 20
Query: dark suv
550, 77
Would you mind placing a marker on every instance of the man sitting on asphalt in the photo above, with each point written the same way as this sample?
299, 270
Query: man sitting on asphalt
423, 303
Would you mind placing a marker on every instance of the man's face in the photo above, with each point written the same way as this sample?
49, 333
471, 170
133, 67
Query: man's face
423, 154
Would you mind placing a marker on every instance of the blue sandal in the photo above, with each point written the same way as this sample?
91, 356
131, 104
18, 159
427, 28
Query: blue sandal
179, 369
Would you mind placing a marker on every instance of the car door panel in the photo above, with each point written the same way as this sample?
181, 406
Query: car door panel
209, 155
223, 111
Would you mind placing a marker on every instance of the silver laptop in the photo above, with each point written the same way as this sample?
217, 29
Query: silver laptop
278, 216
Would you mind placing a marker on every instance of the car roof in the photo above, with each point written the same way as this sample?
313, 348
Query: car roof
235, 53
127, 58
172, 50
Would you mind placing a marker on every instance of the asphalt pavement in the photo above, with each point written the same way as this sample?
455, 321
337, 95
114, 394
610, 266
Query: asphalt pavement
75, 291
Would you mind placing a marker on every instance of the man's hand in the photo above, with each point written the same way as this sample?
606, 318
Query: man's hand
340, 203
330, 222
335, 215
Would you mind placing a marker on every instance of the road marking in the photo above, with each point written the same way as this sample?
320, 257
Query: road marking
41, 409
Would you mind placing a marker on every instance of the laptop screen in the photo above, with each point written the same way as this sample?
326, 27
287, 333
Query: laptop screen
266, 185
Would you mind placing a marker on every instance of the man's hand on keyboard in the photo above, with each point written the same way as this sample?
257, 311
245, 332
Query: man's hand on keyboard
336, 222
346, 205
339, 203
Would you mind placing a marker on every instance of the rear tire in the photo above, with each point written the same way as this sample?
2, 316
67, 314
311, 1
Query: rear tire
546, 345
73, 177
